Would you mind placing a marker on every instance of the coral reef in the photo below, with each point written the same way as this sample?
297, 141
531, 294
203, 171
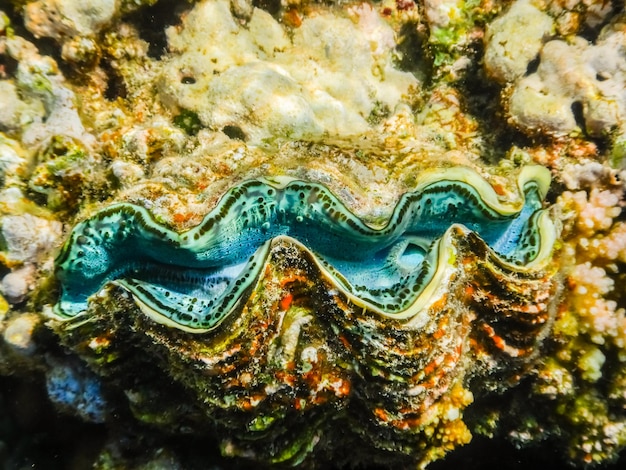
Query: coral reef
311, 233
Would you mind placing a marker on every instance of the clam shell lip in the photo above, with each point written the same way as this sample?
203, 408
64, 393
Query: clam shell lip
195, 279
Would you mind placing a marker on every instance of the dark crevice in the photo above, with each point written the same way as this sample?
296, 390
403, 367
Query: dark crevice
602, 76
152, 22
483, 101
555, 190
8, 67
533, 65
488, 454
577, 110
45, 46
116, 87
413, 52
234, 132
270, 6
36, 435
591, 33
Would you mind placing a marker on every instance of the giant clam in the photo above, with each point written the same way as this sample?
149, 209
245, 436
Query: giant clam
288, 328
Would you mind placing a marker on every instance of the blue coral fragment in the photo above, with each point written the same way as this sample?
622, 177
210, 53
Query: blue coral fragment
195, 279
75, 389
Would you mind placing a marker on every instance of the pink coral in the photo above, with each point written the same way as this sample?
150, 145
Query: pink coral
599, 317
611, 246
595, 212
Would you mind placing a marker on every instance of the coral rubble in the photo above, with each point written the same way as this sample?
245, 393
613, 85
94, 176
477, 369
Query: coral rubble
297, 233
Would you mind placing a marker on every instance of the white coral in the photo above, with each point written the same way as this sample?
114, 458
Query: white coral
39, 80
326, 79
592, 75
600, 317
61, 18
27, 237
610, 247
515, 39
16, 285
570, 73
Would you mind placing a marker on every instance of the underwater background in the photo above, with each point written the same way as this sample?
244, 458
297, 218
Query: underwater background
292, 233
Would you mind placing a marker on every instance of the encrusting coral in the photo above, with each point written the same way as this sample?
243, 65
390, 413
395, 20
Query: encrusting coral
570, 72
293, 233
329, 77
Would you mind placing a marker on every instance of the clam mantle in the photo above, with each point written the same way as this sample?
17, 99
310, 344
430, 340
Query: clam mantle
194, 280
283, 314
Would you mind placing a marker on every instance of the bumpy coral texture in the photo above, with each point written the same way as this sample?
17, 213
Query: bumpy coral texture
590, 333
569, 73
330, 77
